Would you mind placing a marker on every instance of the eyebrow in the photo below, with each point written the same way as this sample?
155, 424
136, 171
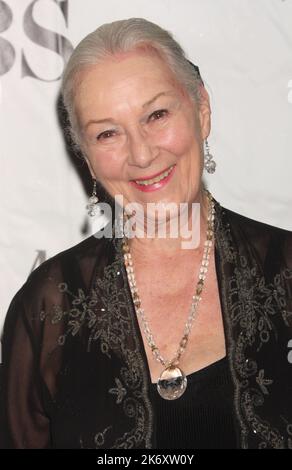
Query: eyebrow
163, 93
145, 105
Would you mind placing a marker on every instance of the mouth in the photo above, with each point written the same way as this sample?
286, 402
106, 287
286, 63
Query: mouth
155, 182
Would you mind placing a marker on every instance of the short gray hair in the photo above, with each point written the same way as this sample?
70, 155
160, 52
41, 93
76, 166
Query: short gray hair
121, 37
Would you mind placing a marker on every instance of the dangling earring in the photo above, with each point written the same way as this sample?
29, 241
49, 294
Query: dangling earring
120, 229
209, 163
92, 202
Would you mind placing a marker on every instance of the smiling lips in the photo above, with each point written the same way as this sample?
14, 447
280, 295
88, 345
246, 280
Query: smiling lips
154, 183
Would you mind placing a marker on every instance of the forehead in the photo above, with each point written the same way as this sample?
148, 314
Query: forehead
134, 75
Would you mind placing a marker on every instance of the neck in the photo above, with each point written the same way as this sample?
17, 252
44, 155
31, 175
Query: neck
191, 236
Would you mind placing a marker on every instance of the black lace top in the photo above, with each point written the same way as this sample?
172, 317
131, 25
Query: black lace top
202, 418
75, 372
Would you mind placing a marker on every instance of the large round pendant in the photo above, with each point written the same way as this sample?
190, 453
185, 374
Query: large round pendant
172, 383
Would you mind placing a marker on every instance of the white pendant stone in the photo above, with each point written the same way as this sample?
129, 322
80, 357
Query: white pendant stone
172, 383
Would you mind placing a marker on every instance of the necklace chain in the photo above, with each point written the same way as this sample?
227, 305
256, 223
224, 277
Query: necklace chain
196, 298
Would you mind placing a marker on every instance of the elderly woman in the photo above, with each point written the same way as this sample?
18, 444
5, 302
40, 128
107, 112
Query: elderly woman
139, 341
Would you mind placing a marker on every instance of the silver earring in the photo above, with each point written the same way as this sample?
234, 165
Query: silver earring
92, 202
118, 226
209, 162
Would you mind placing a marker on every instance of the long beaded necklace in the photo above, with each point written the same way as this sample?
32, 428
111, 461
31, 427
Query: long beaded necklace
172, 382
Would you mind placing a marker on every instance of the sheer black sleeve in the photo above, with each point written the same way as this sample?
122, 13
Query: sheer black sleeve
40, 316
26, 424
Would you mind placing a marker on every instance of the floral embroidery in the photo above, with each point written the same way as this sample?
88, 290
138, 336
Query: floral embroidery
263, 383
252, 307
250, 400
105, 315
82, 312
99, 439
120, 391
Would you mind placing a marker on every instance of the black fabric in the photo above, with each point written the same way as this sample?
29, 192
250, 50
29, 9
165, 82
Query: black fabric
202, 418
2, 441
75, 370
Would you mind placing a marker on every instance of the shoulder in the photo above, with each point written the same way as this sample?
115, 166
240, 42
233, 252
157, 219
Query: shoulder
254, 226
80, 258
264, 240
71, 270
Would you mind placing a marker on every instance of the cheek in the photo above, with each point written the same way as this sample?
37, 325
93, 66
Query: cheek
108, 165
179, 141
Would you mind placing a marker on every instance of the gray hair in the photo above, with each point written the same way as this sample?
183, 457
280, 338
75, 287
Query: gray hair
120, 37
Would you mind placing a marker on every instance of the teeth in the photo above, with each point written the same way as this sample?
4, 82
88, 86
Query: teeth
156, 179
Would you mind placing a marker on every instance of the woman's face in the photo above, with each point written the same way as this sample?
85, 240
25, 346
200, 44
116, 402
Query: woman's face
136, 123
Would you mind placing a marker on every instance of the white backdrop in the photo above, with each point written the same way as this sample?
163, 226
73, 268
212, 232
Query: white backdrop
244, 51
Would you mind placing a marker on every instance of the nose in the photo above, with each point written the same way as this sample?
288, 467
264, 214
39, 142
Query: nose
141, 152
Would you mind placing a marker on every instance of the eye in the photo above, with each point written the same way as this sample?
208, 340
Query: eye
105, 135
161, 113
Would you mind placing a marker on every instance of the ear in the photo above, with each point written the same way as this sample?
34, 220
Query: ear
204, 112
